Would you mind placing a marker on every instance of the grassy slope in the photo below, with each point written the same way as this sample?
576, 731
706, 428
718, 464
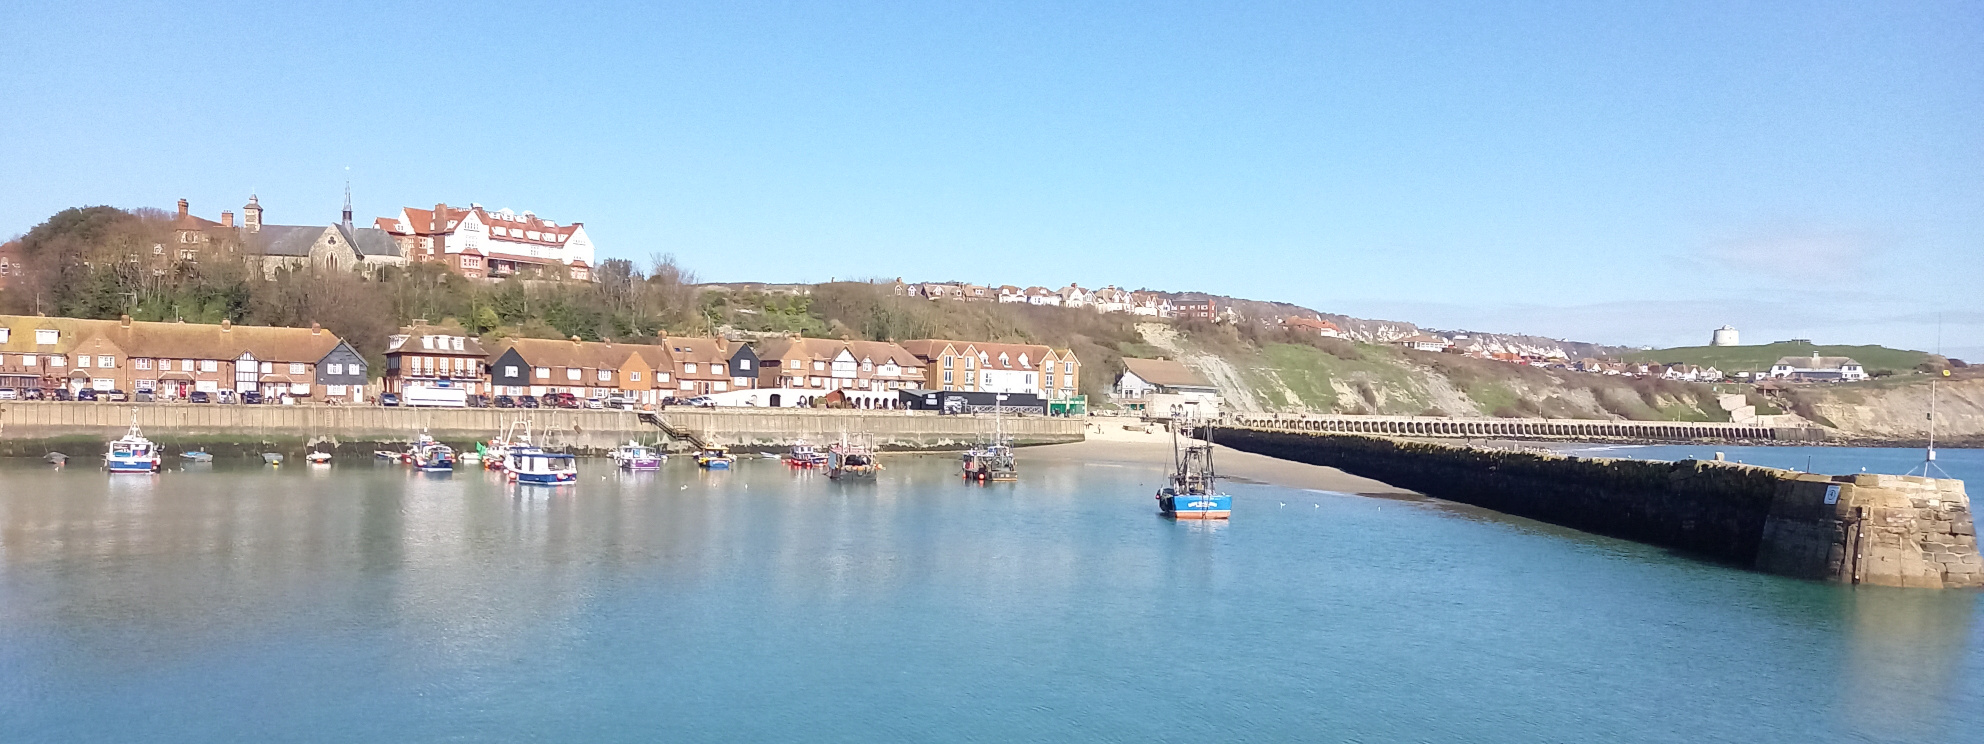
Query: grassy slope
1733, 359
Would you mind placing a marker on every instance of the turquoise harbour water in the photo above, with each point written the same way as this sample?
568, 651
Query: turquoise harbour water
367, 603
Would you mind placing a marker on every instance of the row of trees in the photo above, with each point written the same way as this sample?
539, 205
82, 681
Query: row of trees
103, 262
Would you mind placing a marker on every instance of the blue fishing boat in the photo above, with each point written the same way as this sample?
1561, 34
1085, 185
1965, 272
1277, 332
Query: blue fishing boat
1192, 493
531, 466
433, 457
132, 453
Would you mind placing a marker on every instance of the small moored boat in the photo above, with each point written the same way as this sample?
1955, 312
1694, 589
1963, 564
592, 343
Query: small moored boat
197, 456
272, 458
850, 461
55, 458
638, 457
432, 457
802, 455
132, 453
535, 467
715, 458
318, 458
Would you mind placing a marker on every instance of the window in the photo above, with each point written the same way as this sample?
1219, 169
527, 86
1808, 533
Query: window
209, 365
543, 371
947, 376
1068, 367
268, 368
5, 332
106, 362
336, 369
867, 365
605, 375
57, 360
717, 369
794, 363
83, 360
688, 368
633, 376
510, 370
819, 366
743, 365
947, 362
354, 369
144, 364
45, 336
186, 365
27, 360
572, 373
188, 254
296, 368
1023, 363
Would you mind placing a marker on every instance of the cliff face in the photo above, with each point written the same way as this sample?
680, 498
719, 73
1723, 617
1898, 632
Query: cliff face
1342, 377
1899, 409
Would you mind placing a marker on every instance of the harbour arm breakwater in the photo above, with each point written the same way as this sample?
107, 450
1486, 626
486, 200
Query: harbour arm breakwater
1532, 428
1875, 529
32, 428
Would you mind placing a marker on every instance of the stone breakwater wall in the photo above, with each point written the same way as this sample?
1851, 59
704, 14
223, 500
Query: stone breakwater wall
31, 428
1876, 529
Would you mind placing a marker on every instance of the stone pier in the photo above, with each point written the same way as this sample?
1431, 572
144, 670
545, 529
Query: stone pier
1871, 529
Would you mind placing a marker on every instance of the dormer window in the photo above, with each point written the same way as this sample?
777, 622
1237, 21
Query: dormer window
46, 336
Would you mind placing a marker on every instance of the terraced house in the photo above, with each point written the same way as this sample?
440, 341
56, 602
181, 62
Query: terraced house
981, 366
171, 361
425, 356
647, 373
825, 365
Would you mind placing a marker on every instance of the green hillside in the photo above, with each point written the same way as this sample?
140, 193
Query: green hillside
1733, 359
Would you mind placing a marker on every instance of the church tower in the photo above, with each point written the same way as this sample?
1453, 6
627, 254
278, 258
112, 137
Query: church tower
251, 215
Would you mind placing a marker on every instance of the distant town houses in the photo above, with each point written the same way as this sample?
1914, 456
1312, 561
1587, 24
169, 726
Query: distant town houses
1108, 299
1423, 342
1817, 368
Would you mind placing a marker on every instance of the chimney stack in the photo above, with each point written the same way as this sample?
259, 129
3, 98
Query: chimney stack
183, 208
316, 330
226, 325
124, 320
226, 219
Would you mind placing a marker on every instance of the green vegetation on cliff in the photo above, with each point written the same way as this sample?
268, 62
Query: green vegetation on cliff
1733, 359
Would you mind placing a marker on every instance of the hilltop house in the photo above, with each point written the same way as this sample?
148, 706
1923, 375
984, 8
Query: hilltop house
1817, 368
1165, 389
1074, 296
1043, 296
478, 243
1423, 342
1010, 293
1316, 326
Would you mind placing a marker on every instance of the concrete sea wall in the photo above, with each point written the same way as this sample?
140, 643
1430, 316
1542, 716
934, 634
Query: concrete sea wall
1877, 529
33, 428
1525, 428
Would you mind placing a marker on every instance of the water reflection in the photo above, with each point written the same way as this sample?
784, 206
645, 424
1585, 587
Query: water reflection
757, 596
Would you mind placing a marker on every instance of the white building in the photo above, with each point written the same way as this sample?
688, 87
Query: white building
1165, 389
1074, 296
479, 243
1818, 368
1043, 296
1724, 336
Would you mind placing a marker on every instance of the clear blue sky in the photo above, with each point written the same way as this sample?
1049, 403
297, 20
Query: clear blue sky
1591, 170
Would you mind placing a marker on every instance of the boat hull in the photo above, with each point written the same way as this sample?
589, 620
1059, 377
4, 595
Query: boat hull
546, 479
638, 465
131, 466
1204, 506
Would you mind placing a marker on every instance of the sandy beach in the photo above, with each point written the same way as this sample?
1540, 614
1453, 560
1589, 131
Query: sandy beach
1109, 442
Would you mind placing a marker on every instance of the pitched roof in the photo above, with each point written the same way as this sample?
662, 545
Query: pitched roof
285, 240
1166, 372
560, 352
172, 340
878, 352
931, 348
409, 340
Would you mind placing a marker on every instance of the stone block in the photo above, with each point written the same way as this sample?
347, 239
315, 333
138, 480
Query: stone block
1963, 527
1865, 479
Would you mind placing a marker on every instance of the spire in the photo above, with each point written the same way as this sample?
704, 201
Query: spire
347, 205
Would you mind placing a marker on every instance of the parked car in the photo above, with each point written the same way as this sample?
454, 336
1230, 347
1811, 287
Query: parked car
527, 401
199, 396
701, 401
251, 397
620, 402
61, 394
504, 401
143, 397
33, 394
596, 403
9, 394
478, 401
389, 399
224, 396
115, 396
86, 394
